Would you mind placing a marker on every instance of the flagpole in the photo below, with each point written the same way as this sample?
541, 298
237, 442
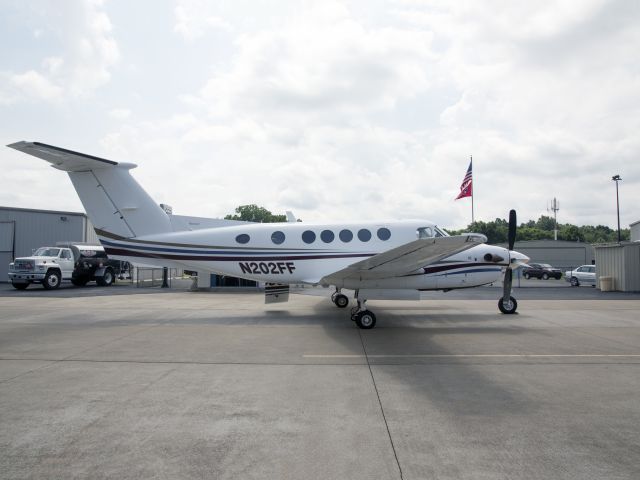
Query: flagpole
473, 187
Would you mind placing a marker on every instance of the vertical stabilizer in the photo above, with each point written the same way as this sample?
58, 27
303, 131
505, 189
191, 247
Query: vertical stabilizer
114, 201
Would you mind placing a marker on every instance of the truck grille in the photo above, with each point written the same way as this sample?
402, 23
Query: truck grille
24, 265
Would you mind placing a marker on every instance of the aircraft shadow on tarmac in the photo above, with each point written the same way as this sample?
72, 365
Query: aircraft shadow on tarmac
405, 347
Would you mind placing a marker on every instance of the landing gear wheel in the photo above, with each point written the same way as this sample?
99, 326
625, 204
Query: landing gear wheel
575, 282
340, 300
51, 280
526, 276
20, 286
508, 308
365, 319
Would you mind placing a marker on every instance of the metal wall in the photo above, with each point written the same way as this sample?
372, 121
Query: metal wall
561, 254
622, 263
635, 232
23, 230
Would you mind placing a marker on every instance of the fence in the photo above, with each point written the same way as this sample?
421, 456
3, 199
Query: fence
147, 277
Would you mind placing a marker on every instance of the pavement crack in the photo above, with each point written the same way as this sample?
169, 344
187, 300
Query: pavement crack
384, 417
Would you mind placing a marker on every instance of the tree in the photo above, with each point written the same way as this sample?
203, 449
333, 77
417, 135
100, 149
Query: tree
545, 223
542, 229
254, 213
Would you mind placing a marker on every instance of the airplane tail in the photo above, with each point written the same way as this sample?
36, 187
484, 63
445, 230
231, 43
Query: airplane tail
114, 201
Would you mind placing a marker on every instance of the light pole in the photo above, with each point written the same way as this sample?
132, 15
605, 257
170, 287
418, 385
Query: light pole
616, 178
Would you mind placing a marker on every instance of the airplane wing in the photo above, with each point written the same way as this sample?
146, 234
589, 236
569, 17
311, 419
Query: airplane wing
61, 158
405, 259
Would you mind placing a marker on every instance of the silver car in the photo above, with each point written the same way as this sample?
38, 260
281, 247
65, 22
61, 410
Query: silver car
585, 274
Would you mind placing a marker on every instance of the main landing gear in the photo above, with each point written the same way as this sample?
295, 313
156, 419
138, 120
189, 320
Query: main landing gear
339, 299
364, 318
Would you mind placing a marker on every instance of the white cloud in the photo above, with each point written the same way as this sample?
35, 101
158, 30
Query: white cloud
88, 52
120, 113
193, 19
365, 110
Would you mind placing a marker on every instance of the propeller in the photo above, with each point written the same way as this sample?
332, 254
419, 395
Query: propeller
508, 274
512, 229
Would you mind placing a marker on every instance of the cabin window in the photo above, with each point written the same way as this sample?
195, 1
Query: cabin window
364, 235
277, 237
308, 236
384, 234
346, 235
243, 238
424, 232
327, 236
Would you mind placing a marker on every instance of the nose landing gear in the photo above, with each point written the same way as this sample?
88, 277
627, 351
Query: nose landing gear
508, 307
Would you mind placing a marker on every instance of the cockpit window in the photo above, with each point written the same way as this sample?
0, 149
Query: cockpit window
440, 233
424, 232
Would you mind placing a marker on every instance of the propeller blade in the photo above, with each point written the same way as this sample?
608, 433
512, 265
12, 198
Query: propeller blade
508, 277
512, 229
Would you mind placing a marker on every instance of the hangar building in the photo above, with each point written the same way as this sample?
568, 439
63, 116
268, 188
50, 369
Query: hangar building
635, 231
22, 230
559, 253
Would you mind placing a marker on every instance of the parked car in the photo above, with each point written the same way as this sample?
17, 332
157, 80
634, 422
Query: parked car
50, 265
586, 274
541, 270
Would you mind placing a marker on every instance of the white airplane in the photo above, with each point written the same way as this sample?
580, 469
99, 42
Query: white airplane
389, 259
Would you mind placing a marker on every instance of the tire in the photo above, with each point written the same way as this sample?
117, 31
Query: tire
575, 282
51, 280
545, 276
20, 286
341, 301
365, 320
508, 309
526, 276
80, 281
107, 279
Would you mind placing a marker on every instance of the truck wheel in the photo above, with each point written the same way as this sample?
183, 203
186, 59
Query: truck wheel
107, 279
20, 286
526, 276
51, 280
80, 281
545, 276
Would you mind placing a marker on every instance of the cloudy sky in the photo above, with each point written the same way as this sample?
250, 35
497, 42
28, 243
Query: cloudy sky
335, 110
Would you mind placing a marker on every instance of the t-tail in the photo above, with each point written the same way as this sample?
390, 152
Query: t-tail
114, 201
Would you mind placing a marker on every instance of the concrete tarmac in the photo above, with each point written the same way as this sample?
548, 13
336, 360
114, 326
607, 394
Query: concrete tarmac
177, 384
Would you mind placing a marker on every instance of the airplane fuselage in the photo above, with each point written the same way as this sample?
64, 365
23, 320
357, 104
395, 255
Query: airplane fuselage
304, 253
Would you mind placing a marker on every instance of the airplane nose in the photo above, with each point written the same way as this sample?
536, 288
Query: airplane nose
518, 259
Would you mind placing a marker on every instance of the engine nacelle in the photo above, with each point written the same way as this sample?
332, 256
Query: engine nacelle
492, 257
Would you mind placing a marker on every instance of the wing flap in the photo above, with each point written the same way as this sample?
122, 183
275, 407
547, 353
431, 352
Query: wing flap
406, 258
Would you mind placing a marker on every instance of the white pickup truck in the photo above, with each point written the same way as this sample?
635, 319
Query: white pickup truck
51, 265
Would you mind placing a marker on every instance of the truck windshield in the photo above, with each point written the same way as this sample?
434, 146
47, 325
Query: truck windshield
47, 252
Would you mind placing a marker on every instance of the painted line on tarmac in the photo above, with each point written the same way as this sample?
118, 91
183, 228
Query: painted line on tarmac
464, 355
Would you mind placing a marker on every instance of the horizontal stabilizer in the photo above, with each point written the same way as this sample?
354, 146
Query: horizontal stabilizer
64, 159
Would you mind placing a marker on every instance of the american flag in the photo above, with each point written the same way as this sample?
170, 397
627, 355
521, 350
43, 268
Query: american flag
466, 188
